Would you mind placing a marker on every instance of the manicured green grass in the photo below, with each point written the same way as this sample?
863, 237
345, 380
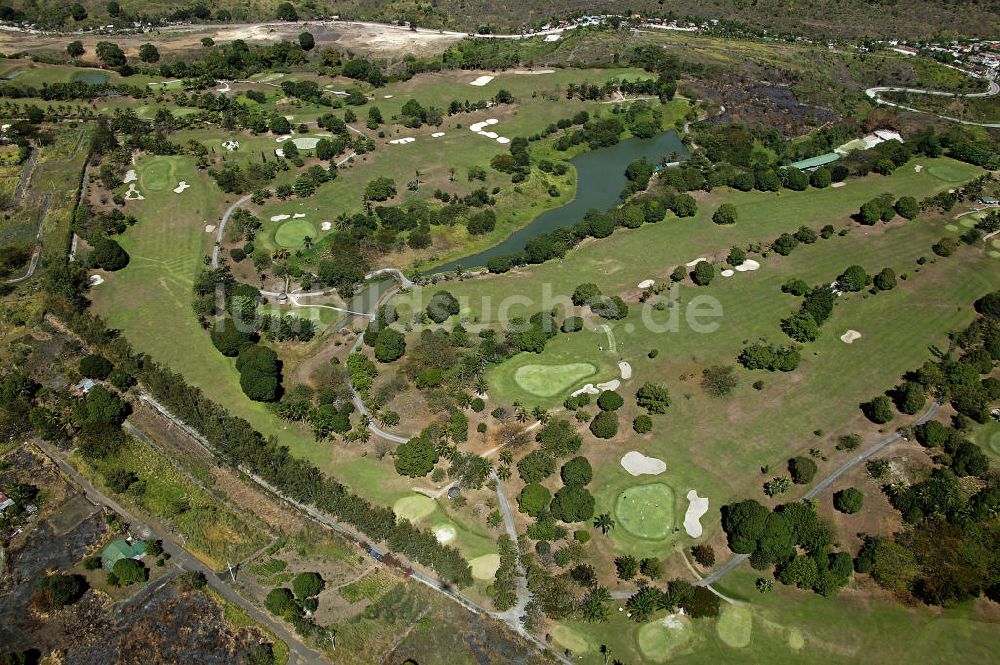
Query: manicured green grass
415, 507
549, 380
646, 511
293, 233
485, 567
658, 642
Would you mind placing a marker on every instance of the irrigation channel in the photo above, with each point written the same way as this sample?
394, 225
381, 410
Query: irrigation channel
600, 181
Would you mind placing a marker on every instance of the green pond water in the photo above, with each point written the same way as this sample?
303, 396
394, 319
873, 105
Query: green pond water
600, 181
91, 78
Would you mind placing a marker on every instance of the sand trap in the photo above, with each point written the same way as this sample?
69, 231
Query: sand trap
437, 135
386, 96
727, 273
477, 126
209, 228
838, 184
638, 464
552, 38
672, 621
613, 384
130, 176
918, 168
403, 141
298, 215
491, 135
325, 226
491, 121
625, 369
589, 389
280, 218
95, 280
697, 507
503, 139
533, 72
849, 336
132, 194
282, 139
445, 533
232, 145
694, 262
481, 81
646, 283
181, 186
279, 152
748, 266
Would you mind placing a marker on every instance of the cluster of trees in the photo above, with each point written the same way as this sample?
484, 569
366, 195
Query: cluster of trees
884, 208
773, 540
293, 605
816, 308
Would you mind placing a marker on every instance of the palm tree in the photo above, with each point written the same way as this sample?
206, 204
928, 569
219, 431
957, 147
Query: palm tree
481, 386
279, 254
308, 242
522, 414
506, 457
604, 522
503, 473
606, 652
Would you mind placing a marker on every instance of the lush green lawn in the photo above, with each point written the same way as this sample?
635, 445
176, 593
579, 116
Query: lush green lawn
646, 511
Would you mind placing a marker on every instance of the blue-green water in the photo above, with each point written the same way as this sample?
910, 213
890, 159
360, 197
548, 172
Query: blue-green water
91, 77
600, 181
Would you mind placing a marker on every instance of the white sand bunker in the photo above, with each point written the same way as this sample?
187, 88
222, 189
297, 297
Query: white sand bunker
386, 96
279, 152
95, 280
589, 389
282, 139
437, 135
132, 194
445, 533
232, 145
625, 369
298, 215
918, 168
646, 283
225, 86
638, 464
503, 139
130, 176
481, 81
403, 141
209, 228
491, 121
697, 507
325, 226
727, 273
306, 142
849, 336
838, 184
672, 622
613, 384
748, 266
280, 218
490, 135
181, 186
692, 263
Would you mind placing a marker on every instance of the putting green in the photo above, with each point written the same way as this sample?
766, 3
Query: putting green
572, 639
414, 508
796, 639
157, 175
485, 567
657, 642
646, 511
735, 626
549, 380
947, 172
994, 442
294, 232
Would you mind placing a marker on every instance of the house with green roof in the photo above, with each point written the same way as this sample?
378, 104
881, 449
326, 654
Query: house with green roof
122, 549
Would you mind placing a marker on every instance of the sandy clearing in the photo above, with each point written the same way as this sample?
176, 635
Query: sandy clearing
646, 283
637, 464
697, 507
481, 81
850, 336
625, 369
692, 263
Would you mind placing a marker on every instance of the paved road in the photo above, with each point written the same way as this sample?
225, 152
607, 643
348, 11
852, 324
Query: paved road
222, 228
184, 560
994, 88
823, 485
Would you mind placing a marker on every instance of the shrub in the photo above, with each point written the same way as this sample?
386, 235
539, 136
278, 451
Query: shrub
279, 601
478, 405
585, 293
853, 279
703, 273
907, 207
704, 555
126, 572
581, 536
654, 397
390, 345
848, 500
58, 590
572, 324
308, 584
228, 338
609, 400
577, 471
878, 410
107, 254
885, 280
803, 470
726, 214
95, 367
642, 424
416, 457
604, 425
441, 306
572, 503
945, 247
533, 499
536, 466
